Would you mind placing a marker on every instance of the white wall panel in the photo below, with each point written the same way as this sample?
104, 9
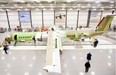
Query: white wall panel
83, 15
105, 13
48, 17
72, 18
13, 18
95, 18
36, 18
3, 19
26, 25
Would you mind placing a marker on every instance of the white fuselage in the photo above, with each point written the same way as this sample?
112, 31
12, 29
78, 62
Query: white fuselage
44, 35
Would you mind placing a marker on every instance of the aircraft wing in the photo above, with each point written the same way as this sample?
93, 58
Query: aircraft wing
90, 33
77, 35
52, 60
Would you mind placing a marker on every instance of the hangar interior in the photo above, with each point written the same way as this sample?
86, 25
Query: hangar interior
73, 15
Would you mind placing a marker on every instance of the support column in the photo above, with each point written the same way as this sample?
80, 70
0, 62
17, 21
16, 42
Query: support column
66, 20
42, 19
31, 20
9, 29
54, 17
19, 20
88, 20
77, 19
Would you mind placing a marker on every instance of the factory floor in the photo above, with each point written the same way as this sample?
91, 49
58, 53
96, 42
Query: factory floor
30, 60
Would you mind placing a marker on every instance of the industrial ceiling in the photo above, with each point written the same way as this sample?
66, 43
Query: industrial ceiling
57, 4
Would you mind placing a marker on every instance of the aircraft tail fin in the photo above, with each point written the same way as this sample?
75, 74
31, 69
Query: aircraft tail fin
104, 23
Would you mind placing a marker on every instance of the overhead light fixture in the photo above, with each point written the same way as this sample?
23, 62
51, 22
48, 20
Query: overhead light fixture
32, 7
88, 4
26, 9
97, 1
7, 9
111, 5
62, 9
36, 9
78, 9
28, 4
68, 0
102, 9
112, 9
78, 4
22, 1
87, 9
94, 9
2, 5
49, 0
74, 7
40, 4
111, 1
51, 9
64, 4
36, 0
1, 10
70, 9
12, 7
15, 5
44, 8
83, 7
51, 4
20, 7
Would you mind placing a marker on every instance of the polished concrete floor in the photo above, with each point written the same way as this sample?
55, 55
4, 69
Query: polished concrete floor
31, 61
72, 61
